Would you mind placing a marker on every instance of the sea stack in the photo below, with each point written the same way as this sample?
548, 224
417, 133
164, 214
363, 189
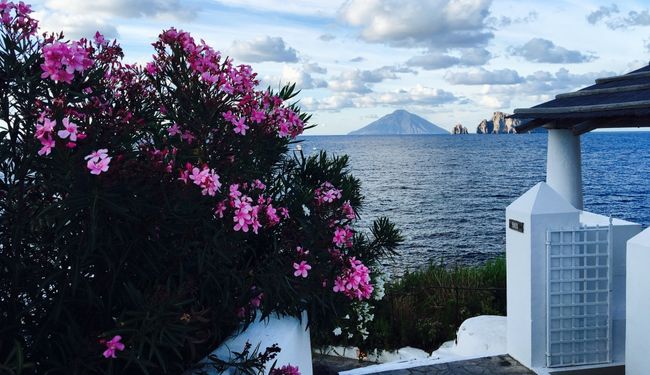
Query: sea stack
459, 129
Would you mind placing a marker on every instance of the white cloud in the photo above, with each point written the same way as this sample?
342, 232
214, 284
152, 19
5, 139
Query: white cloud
359, 81
80, 18
264, 49
601, 13
438, 60
78, 25
312, 67
545, 51
125, 8
435, 24
505, 21
303, 7
609, 14
299, 76
419, 96
326, 37
484, 77
492, 102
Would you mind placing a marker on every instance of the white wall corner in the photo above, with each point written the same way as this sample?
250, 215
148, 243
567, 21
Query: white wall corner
637, 361
291, 335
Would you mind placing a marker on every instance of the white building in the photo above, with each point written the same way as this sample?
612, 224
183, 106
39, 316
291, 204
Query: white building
578, 284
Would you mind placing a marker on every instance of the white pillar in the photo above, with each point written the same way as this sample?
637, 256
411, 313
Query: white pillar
537, 210
564, 165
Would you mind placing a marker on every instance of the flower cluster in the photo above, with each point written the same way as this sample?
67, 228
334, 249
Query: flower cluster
251, 109
348, 211
247, 213
15, 17
98, 161
62, 60
44, 129
355, 281
205, 178
286, 370
326, 193
343, 236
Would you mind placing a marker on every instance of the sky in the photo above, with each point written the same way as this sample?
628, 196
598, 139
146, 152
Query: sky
449, 61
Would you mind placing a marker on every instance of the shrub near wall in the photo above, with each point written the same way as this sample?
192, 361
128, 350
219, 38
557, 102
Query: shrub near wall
148, 211
421, 309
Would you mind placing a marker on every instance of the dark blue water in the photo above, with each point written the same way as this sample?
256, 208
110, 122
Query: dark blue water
448, 193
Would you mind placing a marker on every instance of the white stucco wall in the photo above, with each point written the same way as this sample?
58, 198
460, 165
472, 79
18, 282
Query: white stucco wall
291, 335
622, 231
539, 208
637, 361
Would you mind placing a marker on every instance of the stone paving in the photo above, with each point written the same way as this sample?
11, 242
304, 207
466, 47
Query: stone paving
496, 365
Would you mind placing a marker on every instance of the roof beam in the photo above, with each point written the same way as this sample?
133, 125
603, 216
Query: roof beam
610, 123
611, 90
641, 104
623, 77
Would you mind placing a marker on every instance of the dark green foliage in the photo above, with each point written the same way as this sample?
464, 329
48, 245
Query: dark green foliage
134, 251
424, 308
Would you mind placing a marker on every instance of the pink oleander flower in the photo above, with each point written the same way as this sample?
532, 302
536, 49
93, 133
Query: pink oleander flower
343, 237
326, 193
301, 269
234, 191
348, 211
45, 128
259, 185
255, 223
354, 282
188, 137
99, 39
284, 212
113, 345
62, 60
240, 126
339, 285
258, 116
102, 153
69, 131
257, 300
151, 68
242, 217
207, 180
286, 370
96, 167
48, 144
301, 251
173, 130
271, 215
220, 209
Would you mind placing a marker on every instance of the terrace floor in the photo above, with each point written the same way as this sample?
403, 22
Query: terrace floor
495, 365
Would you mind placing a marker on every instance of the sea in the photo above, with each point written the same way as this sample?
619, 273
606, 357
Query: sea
448, 193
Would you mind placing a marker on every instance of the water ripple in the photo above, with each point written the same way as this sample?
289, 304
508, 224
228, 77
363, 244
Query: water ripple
448, 193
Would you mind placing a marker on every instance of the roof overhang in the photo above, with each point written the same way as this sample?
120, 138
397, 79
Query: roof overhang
613, 102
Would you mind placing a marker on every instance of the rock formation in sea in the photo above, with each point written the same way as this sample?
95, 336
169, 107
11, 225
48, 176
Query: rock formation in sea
485, 127
459, 129
498, 125
400, 122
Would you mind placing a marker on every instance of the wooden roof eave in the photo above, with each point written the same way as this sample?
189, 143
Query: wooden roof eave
641, 104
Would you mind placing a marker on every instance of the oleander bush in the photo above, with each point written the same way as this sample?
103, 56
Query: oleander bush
147, 212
